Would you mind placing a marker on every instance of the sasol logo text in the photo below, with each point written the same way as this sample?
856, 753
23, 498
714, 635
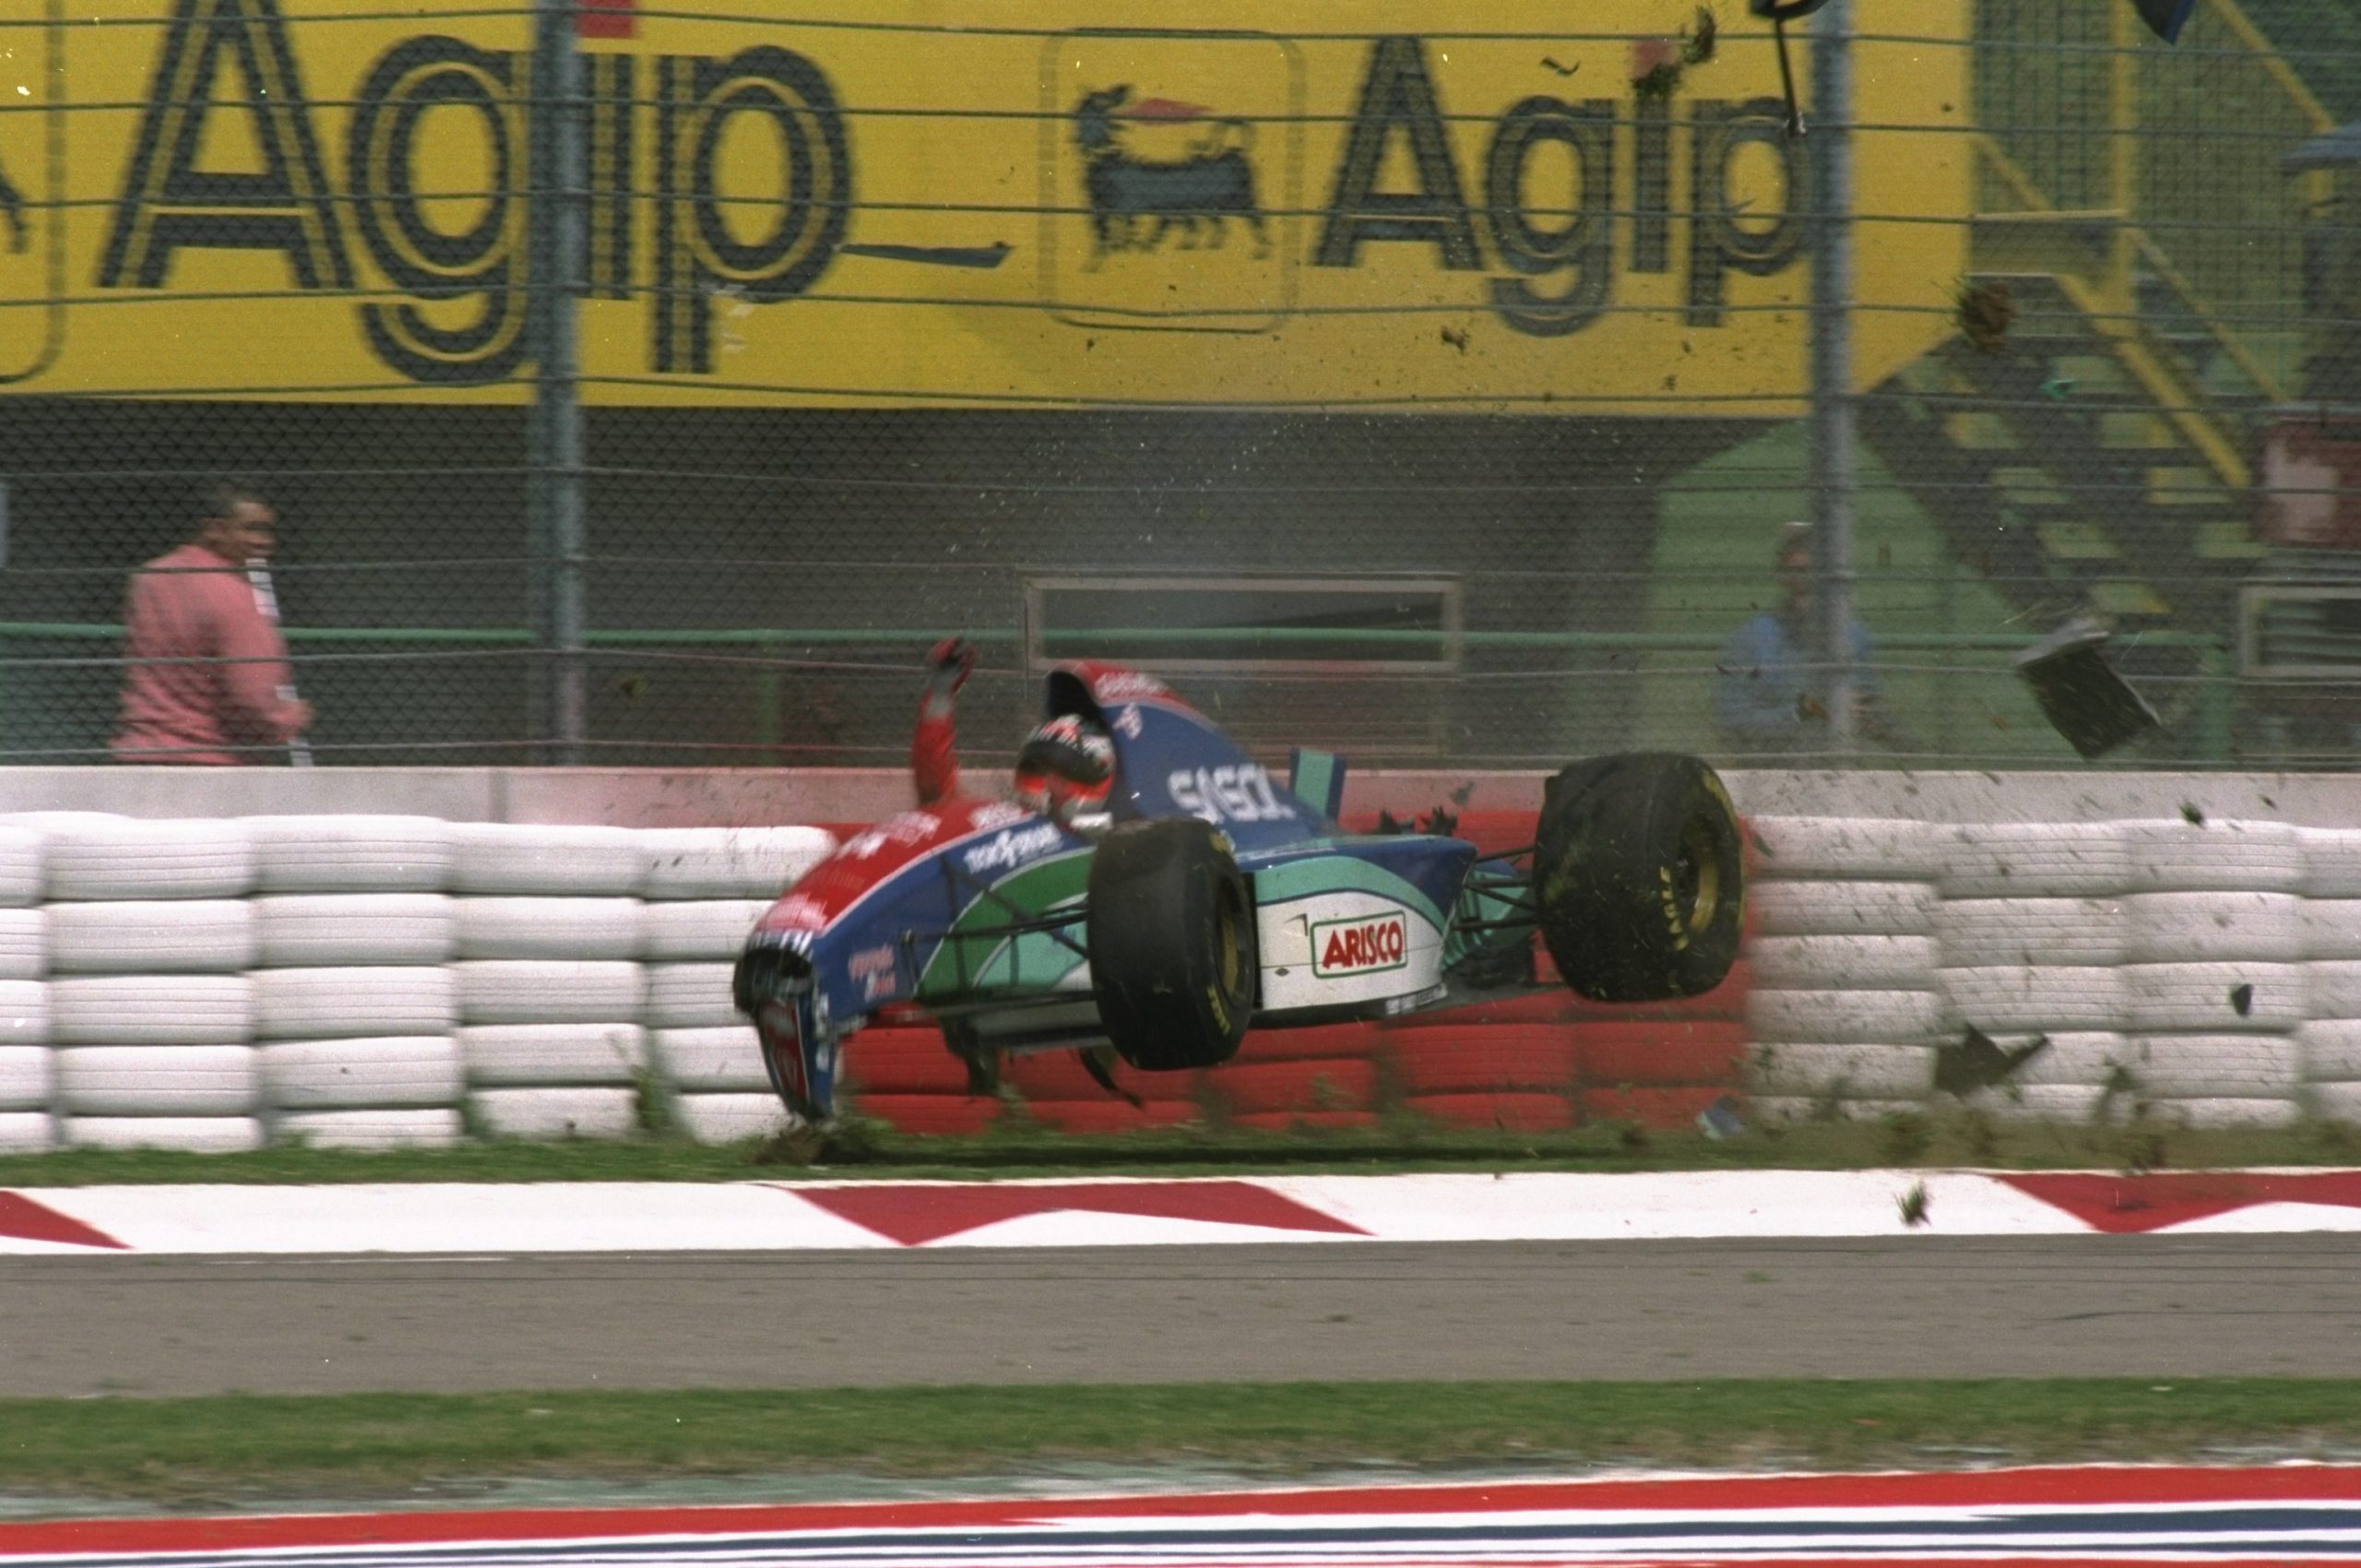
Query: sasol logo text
1241, 793
1006, 851
1360, 947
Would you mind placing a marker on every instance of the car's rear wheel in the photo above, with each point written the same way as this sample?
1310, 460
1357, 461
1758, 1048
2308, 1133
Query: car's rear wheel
1172, 951
1639, 877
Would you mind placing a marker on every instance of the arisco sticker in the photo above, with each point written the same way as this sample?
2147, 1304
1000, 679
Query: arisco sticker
1360, 947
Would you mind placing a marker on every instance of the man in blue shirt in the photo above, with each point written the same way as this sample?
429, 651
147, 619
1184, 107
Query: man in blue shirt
1770, 692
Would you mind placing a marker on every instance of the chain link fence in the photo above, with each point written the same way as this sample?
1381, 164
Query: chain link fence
1428, 396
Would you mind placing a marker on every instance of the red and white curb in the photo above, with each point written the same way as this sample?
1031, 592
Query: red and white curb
1539, 1206
2296, 1514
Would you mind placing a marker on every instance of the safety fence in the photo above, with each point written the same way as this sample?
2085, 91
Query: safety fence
639, 384
376, 981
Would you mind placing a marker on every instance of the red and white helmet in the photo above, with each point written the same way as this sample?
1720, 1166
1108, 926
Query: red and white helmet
1065, 769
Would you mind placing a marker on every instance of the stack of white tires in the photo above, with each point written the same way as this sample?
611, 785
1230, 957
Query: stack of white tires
550, 982
1842, 1014
2213, 983
705, 887
2030, 935
355, 1003
150, 932
2329, 1041
28, 1066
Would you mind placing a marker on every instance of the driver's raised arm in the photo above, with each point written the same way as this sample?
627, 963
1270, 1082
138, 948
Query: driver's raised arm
935, 759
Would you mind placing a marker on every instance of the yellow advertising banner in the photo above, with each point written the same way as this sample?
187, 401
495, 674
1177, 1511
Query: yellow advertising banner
912, 203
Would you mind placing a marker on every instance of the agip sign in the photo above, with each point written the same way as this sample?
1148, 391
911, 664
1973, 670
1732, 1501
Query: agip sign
848, 206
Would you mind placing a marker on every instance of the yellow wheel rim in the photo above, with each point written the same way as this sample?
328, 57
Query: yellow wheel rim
1697, 876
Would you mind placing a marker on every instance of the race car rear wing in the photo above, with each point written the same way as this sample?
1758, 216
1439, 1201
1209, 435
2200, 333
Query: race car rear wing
1317, 778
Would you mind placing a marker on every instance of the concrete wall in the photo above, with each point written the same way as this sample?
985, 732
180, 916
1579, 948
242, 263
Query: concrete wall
626, 797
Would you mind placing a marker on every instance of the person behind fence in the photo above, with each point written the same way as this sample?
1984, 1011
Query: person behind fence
1770, 691
207, 679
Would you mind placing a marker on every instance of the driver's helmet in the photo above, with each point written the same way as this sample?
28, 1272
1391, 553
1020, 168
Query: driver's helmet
1066, 769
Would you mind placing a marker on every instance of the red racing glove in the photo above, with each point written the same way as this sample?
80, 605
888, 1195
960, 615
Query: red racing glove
948, 665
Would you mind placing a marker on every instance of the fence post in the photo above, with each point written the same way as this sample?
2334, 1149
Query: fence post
1828, 151
556, 249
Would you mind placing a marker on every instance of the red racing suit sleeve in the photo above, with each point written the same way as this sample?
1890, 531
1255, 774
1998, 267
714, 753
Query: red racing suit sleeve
934, 758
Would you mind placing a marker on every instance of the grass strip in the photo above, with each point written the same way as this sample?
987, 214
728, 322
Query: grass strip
1933, 1139
359, 1445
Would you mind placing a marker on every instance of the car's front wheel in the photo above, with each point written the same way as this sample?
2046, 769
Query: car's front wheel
1172, 951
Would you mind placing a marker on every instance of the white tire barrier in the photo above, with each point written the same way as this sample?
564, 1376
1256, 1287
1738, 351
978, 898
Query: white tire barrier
728, 862
2332, 991
119, 859
27, 1076
2043, 1102
585, 862
2189, 928
1796, 1110
1978, 933
549, 991
1846, 849
2018, 998
689, 996
2332, 927
2170, 855
24, 1013
548, 928
1847, 1071
707, 929
24, 943
333, 930
373, 1129
152, 937
354, 1002
2079, 1058
2331, 862
1841, 908
730, 1118
22, 874
352, 854
2213, 998
153, 1009
2215, 1066
2217, 1112
719, 1058
2336, 1103
542, 1115
1839, 1017
553, 1053
2028, 860
159, 1080
1842, 963
2330, 1050
365, 1072
27, 1132
192, 1135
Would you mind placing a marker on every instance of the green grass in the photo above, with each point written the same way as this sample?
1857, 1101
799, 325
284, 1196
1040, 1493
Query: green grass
1934, 1139
207, 1452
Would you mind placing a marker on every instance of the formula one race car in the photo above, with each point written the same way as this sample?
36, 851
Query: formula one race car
1217, 898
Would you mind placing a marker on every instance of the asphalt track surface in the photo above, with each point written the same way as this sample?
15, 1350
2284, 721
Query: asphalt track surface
1909, 1306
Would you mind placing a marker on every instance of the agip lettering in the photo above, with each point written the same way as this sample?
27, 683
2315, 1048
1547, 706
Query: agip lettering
687, 105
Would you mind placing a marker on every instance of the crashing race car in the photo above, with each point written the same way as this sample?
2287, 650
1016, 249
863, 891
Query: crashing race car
1215, 899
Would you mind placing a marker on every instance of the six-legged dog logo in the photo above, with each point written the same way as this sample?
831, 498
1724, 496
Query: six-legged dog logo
1136, 202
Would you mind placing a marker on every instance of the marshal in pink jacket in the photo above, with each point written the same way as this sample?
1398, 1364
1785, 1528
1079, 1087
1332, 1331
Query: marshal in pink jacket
207, 669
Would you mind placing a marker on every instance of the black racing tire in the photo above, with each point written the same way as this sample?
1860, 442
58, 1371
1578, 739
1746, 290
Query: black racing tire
1640, 877
1172, 951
